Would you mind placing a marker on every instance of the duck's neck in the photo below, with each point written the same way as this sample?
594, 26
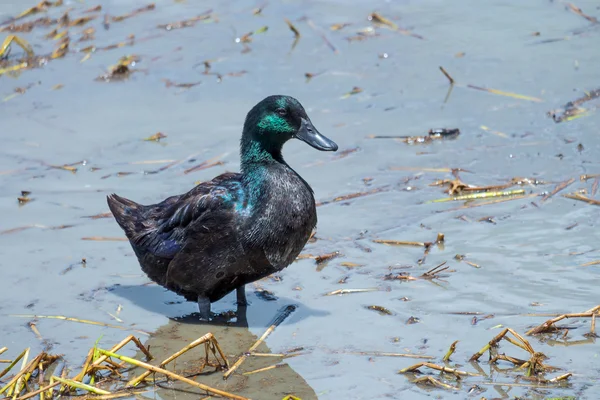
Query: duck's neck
256, 154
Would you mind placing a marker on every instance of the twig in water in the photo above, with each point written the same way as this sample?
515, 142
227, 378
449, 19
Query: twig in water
581, 197
550, 324
558, 188
447, 75
276, 322
440, 368
451, 351
432, 381
348, 291
207, 339
171, 375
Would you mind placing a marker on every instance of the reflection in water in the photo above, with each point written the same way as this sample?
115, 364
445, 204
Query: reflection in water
264, 376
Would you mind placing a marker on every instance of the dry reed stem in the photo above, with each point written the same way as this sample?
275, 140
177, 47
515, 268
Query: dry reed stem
206, 338
440, 368
550, 324
39, 391
451, 351
432, 381
349, 291
122, 394
79, 385
491, 343
264, 369
384, 354
115, 348
86, 364
171, 375
18, 377
278, 320
13, 363
504, 357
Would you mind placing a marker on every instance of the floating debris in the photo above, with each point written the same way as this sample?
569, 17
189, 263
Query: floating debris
579, 12
415, 368
355, 90
451, 351
381, 310
483, 195
549, 326
558, 188
353, 196
378, 19
338, 27
507, 94
206, 16
432, 135
572, 109
121, 70
156, 137
120, 18
276, 322
350, 291
447, 75
5, 47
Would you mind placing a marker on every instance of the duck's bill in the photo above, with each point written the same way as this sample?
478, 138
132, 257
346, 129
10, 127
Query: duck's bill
310, 135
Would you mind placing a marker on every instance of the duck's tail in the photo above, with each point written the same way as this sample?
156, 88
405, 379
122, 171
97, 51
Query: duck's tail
128, 213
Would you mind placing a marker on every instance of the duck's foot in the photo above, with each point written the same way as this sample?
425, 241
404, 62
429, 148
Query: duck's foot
241, 296
204, 308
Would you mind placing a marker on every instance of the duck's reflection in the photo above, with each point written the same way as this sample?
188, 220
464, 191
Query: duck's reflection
264, 376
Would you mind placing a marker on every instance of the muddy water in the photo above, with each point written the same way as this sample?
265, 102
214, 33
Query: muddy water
529, 251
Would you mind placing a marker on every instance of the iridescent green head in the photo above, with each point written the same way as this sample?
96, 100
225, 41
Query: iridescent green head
274, 121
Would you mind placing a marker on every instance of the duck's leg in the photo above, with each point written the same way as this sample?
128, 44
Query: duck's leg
241, 296
204, 307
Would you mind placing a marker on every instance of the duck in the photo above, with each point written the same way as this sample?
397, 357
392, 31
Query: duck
237, 228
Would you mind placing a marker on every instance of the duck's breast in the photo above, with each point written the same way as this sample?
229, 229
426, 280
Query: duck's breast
283, 219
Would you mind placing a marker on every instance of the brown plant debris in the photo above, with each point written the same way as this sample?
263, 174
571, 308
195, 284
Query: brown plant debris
439, 240
433, 135
451, 351
573, 8
353, 196
550, 325
431, 381
380, 309
415, 368
534, 364
558, 188
105, 373
507, 94
156, 137
434, 273
573, 109
205, 16
447, 75
582, 197
276, 322
121, 70
350, 291
135, 12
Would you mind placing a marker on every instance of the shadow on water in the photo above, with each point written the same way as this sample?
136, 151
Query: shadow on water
153, 298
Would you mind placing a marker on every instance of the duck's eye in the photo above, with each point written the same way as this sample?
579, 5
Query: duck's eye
281, 111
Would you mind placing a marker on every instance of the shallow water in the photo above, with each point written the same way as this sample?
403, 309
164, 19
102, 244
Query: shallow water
529, 261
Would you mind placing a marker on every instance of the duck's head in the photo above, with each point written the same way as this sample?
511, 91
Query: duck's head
277, 119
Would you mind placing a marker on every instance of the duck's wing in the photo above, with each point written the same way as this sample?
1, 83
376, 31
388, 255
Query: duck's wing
168, 234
